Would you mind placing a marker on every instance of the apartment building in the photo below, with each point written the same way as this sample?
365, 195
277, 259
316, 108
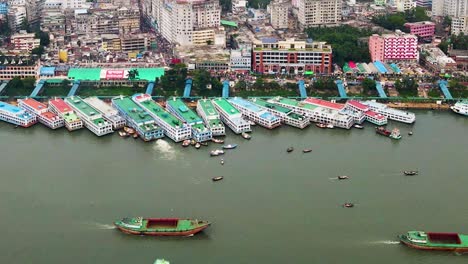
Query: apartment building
279, 14
452, 8
17, 67
394, 47
53, 18
424, 30
435, 59
459, 25
424, 3
291, 56
16, 15
404, 5
319, 12
241, 59
24, 42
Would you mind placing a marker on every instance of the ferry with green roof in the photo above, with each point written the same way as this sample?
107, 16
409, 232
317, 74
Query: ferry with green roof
161, 226
231, 116
298, 107
108, 112
62, 109
255, 113
200, 132
173, 127
206, 110
137, 118
91, 117
435, 241
16, 115
286, 115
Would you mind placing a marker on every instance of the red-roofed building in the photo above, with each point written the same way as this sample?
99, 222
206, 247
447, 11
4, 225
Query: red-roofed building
60, 105
375, 118
323, 103
42, 112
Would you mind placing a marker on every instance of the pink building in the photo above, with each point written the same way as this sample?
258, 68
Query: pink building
394, 47
424, 29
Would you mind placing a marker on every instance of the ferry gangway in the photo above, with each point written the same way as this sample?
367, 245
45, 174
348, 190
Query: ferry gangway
74, 88
3, 85
302, 90
380, 89
225, 89
149, 88
341, 89
38, 88
188, 88
443, 87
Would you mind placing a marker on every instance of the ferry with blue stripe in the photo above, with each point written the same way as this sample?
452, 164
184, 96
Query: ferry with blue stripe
231, 116
16, 115
255, 113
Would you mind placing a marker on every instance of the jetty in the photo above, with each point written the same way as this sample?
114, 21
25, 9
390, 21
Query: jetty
42, 112
137, 118
173, 127
286, 115
16, 115
91, 117
62, 109
208, 113
108, 112
231, 116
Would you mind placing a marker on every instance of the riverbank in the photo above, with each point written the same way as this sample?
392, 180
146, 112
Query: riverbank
414, 105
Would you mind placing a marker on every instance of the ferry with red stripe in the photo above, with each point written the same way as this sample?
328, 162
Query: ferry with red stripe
16, 115
41, 111
62, 109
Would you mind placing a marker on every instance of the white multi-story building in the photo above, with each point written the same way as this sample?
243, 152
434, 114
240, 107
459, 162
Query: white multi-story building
403, 5
16, 14
453, 8
319, 12
279, 14
24, 42
460, 25
65, 4
241, 59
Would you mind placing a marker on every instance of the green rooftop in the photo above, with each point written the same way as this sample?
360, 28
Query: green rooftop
228, 23
88, 74
279, 108
186, 113
226, 106
70, 117
156, 109
210, 112
85, 108
295, 103
149, 74
135, 112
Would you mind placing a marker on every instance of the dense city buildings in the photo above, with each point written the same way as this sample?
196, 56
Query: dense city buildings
24, 42
241, 59
319, 12
393, 47
459, 25
424, 29
291, 56
404, 5
279, 11
435, 59
424, 3
452, 8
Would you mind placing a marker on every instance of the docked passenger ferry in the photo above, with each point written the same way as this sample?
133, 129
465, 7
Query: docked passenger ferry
255, 113
41, 111
16, 116
91, 117
108, 112
460, 108
200, 132
391, 113
62, 109
206, 110
231, 116
298, 107
371, 116
137, 118
173, 127
286, 115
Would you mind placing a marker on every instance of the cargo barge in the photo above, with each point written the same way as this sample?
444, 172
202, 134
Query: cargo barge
137, 118
200, 132
231, 116
173, 127
286, 115
108, 112
435, 241
161, 226
91, 117
62, 109
207, 111
255, 113
391, 113
41, 111
16, 115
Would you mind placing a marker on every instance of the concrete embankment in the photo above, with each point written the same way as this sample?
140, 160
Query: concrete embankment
419, 106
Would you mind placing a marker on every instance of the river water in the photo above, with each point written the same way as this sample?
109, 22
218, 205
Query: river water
60, 192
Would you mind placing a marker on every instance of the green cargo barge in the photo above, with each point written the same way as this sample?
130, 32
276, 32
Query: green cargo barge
435, 241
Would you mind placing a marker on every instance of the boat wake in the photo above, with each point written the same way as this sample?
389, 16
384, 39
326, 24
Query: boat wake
95, 225
165, 149
385, 242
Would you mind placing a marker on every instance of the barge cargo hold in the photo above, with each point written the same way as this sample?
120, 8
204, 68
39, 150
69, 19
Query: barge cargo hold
62, 109
161, 226
255, 113
391, 113
91, 117
173, 127
207, 111
42, 113
435, 241
16, 116
231, 116
137, 118
108, 112
286, 115
200, 132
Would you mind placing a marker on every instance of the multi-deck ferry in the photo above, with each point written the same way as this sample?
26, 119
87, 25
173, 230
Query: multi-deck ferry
255, 113
231, 116
16, 116
200, 132
62, 109
369, 115
206, 110
298, 107
286, 115
391, 113
91, 117
108, 112
333, 114
460, 108
173, 127
356, 110
42, 113
137, 118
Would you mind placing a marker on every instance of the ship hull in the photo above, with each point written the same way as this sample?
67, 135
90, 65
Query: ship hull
421, 247
147, 233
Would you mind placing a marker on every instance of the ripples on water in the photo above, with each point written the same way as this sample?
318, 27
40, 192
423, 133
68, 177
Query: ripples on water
385, 242
101, 226
165, 149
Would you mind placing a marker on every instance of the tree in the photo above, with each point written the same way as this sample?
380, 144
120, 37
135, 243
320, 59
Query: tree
240, 86
407, 86
38, 51
25, 25
133, 74
44, 37
443, 46
367, 85
16, 84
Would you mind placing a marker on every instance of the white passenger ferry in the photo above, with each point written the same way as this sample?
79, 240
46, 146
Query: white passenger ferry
91, 117
369, 115
231, 116
108, 112
286, 115
255, 113
42, 113
461, 108
208, 113
16, 116
62, 109
391, 113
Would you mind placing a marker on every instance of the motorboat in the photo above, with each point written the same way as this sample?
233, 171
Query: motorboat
307, 150
218, 178
343, 177
222, 162
230, 146
246, 136
290, 149
321, 125
216, 152
197, 145
186, 143
358, 126
410, 173
123, 134
348, 205
219, 141
330, 126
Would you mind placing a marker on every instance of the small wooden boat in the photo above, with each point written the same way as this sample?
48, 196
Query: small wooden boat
246, 136
161, 226
216, 152
219, 141
217, 178
410, 173
193, 142
307, 150
348, 205
252, 123
330, 126
290, 149
410, 133
186, 143
129, 130
123, 134
197, 145
343, 177
321, 125
222, 162
135, 135
358, 126
230, 146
